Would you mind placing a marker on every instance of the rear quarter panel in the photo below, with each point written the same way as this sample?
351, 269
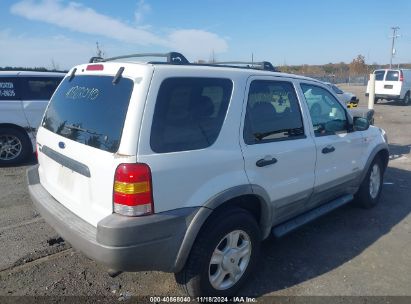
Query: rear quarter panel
190, 178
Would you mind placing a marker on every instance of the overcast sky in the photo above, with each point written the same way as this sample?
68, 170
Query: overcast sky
39, 32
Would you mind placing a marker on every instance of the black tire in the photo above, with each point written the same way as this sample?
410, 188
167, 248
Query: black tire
376, 100
15, 146
407, 99
363, 198
194, 278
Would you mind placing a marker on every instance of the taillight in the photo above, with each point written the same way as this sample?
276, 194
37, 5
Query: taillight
37, 151
133, 194
401, 76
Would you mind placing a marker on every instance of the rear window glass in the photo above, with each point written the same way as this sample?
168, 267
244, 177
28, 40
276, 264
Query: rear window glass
39, 88
379, 75
189, 113
90, 110
392, 76
9, 88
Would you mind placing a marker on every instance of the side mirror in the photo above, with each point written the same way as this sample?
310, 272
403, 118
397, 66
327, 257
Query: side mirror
361, 124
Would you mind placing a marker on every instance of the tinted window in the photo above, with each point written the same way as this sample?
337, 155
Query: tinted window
272, 113
379, 75
90, 110
39, 88
189, 113
9, 88
327, 114
392, 76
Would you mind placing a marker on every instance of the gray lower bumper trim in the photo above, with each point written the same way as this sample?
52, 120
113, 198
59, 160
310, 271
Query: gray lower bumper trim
119, 242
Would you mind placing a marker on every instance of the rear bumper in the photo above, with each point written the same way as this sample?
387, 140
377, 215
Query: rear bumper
119, 242
385, 96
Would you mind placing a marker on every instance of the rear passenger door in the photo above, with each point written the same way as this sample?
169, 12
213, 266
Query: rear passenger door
339, 150
37, 92
278, 151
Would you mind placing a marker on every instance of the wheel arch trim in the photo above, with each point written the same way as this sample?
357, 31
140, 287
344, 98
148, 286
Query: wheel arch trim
216, 201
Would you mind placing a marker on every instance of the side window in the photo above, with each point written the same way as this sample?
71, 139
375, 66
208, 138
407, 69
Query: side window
327, 114
272, 113
189, 113
9, 88
39, 88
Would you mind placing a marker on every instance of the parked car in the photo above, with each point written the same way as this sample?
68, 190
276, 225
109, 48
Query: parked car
347, 98
186, 168
23, 99
392, 85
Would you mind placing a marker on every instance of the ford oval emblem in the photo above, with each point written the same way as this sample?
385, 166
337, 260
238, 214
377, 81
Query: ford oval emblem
62, 145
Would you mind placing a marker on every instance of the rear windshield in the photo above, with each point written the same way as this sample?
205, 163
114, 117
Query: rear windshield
379, 75
90, 110
392, 76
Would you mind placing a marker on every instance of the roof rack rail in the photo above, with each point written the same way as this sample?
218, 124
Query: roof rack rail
172, 57
263, 65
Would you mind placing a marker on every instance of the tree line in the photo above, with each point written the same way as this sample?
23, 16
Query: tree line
357, 67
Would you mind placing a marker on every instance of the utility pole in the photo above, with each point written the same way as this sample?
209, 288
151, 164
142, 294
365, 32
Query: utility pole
394, 36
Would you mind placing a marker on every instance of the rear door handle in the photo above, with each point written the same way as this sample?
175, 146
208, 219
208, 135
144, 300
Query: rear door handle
328, 149
265, 162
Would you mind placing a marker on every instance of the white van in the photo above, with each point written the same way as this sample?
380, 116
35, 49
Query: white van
392, 85
23, 99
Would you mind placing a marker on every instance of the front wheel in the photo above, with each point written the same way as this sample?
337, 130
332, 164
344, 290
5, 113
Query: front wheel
370, 189
222, 256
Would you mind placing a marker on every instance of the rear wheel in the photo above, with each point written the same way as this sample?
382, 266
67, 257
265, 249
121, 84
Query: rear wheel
370, 189
222, 256
15, 146
407, 99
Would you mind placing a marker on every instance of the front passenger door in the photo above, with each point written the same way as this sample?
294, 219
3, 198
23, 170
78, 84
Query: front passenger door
339, 149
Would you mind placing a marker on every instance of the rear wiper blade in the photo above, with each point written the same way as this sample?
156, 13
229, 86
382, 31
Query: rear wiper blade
73, 127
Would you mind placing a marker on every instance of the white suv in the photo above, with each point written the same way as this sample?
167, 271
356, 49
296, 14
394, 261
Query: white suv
23, 99
185, 168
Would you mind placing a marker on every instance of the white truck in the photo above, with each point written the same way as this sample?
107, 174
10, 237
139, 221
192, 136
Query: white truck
392, 84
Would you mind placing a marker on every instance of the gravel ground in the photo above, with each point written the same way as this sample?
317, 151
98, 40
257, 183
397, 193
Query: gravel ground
350, 252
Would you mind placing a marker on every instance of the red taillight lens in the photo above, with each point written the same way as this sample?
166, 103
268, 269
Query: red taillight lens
95, 67
132, 193
401, 76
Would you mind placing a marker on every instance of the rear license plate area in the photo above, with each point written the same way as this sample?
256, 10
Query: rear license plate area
388, 86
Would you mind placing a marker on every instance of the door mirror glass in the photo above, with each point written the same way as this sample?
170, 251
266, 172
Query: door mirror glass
361, 124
